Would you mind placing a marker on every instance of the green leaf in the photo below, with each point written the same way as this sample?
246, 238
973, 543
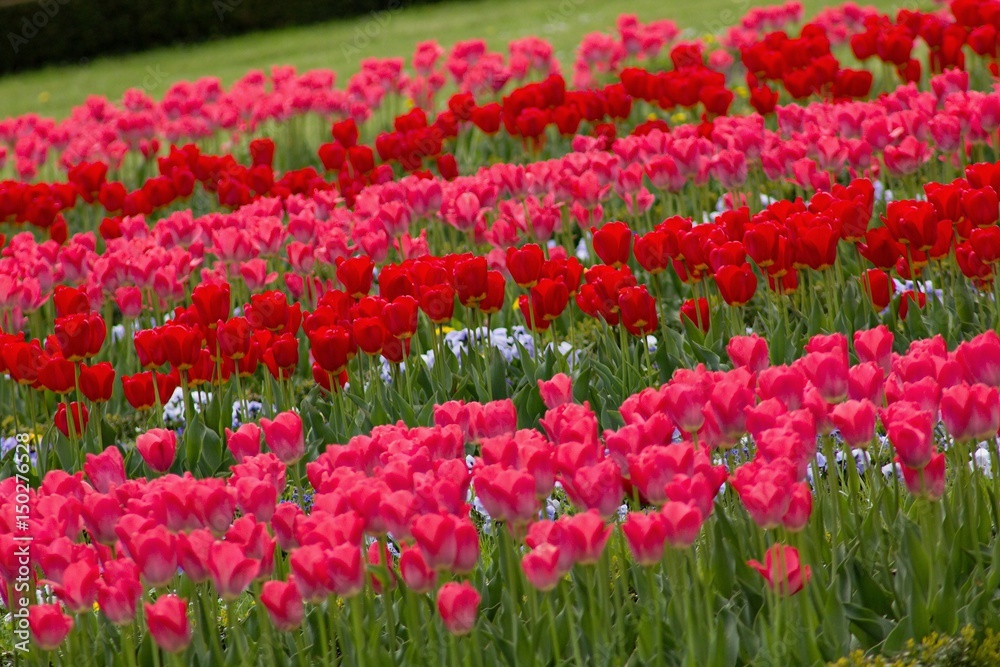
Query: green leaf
869, 628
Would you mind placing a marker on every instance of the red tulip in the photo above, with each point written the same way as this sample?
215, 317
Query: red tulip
231, 570
470, 277
150, 348
557, 391
698, 316
244, 442
80, 336
417, 574
81, 416
269, 310
647, 536
590, 534
438, 303
458, 604
70, 301
333, 347
211, 302
911, 432
971, 412
234, 337
543, 567
782, 570
525, 264
879, 288
638, 310
158, 446
856, 422
400, 317
168, 623
181, 345
613, 243
653, 251
495, 291
355, 274
284, 437
119, 591
153, 551
58, 375
736, 284
681, 522
283, 603
106, 469
97, 381
282, 356
928, 481
749, 352
78, 590
49, 625
345, 132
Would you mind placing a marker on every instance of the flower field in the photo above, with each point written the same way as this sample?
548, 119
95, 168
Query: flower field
684, 352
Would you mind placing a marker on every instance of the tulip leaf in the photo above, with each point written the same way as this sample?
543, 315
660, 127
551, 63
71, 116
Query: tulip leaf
108, 434
868, 627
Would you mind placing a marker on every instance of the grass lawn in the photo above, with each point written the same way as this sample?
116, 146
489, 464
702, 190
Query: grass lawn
342, 45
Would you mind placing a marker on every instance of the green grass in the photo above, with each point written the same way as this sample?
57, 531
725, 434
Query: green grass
342, 45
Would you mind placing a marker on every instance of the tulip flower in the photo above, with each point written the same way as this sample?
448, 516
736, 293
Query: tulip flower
971, 412
81, 417
244, 442
231, 570
106, 469
542, 568
49, 625
168, 623
416, 573
283, 604
557, 391
613, 243
927, 482
782, 570
158, 446
284, 437
458, 605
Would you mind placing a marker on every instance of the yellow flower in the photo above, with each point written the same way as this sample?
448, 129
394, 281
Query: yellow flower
679, 117
44, 97
742, 91
651, 116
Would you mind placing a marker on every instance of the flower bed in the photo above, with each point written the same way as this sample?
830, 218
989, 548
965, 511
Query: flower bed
659, 367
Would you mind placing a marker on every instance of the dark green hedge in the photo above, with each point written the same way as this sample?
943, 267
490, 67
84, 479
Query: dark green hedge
42, 32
